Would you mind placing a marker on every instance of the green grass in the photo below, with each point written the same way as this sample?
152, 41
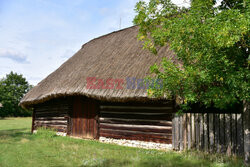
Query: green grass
19, 148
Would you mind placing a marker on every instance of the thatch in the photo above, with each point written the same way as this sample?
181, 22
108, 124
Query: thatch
116, 55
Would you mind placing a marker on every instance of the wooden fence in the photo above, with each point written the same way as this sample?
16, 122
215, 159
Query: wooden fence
210, 132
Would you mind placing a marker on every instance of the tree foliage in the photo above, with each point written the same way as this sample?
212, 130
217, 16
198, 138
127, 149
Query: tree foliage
212, 42
12, 89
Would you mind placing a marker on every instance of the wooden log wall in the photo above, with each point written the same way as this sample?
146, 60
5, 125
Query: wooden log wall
136, 122
53, 114
210, 132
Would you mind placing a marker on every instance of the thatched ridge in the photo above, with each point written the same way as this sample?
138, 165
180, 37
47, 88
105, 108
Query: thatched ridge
117, 55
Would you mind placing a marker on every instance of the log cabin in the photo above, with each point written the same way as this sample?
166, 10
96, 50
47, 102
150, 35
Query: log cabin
98, 92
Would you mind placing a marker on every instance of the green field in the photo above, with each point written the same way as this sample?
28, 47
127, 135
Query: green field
21, 149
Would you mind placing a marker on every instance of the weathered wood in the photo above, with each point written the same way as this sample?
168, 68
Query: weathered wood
246, 125
136, 134
177, 131
53, 114
206, 134
33, 121
240, 135
189, 134
184, 125
211, 132
133, 116
137, 108
50, 123
201, 132
135, 121
51, 118
181, 132
233, 130
37, 115
228, 133
217, 132
173, 133
197, 131
193, 130
140, 128
140, 112
222, 133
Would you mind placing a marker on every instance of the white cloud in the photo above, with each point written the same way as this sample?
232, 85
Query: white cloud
14, 56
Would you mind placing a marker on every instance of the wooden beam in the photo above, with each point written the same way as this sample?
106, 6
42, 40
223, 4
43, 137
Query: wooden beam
246, 125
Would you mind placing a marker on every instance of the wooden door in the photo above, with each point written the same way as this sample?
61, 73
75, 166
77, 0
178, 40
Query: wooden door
84, 118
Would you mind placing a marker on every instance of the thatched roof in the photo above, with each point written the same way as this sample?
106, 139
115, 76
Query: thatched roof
116, 55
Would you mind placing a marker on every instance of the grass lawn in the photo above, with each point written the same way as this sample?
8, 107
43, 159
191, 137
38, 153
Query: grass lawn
19, 148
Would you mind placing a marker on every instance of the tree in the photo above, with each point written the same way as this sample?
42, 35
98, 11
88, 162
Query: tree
12, 89
212, 43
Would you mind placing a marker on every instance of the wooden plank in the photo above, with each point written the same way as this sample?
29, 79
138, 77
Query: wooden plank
206, 135
222, 133
234, 135
129, 108
189, 132
240, 135
246, 127
140, 128
197, 131
193, 130
132, 116
181, 132
143, 112
184, 125
201, 132
52, 121
50, 118
228, 134
51, 114
135, 121
177, 130
33, 121
217, 132
211, 132
173, 132
137, 134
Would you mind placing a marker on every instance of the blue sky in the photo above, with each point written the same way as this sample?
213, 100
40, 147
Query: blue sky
37, 36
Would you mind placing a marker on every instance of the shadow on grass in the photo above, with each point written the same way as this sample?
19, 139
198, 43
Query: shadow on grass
14, 134
172, 162
106, 163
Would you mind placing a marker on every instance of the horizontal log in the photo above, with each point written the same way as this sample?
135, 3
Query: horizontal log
135, 108
51, 114
157, 103
137, 134
135, 121
132, 116
50, 124
139, 128
136, 112
52, 121
51, 118
52, 111
115, 136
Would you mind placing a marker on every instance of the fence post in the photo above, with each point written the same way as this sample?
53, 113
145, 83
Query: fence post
246, 125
